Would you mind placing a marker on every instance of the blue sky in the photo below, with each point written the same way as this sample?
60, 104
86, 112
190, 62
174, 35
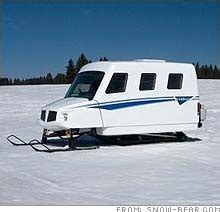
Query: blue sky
40, 37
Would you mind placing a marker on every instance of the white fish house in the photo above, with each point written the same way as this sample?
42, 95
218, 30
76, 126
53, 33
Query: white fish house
128, 97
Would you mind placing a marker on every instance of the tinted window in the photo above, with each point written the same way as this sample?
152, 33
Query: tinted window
51, 116
43, 115
85, 84
118, 83
175, 81
147, 82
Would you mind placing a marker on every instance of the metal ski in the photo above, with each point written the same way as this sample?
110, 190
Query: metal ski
49, 150
42, 147
16, 141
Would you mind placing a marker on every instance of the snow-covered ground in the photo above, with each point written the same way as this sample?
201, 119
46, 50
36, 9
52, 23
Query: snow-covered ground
159, 173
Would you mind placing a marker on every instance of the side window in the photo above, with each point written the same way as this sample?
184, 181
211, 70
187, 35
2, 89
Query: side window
175, 81
147, 82
117, 83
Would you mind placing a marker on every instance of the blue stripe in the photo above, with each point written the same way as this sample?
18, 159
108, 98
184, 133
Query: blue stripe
130, 104
113, 105
138, 99
129, 100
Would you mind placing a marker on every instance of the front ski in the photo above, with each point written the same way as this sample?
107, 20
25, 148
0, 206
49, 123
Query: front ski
39, 146
16, 141
46, 148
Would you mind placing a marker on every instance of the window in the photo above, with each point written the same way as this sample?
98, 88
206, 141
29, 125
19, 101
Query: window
147, 82
43, 115
175, 81
52, 116
85, 84
118, 83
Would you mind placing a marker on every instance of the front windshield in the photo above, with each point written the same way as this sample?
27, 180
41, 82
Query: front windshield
85, 84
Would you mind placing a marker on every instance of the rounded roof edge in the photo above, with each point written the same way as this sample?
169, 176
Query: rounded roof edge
149, 60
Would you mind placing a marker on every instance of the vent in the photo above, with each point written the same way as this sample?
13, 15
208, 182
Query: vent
52, 116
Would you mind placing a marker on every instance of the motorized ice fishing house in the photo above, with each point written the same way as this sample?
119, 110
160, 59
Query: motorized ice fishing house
128, 97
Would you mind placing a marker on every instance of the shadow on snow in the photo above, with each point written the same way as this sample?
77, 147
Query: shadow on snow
130, 140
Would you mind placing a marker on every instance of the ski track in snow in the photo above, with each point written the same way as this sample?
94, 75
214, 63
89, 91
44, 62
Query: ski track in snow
159, 173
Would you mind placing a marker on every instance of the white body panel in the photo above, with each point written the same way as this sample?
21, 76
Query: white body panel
78, 115
132, 111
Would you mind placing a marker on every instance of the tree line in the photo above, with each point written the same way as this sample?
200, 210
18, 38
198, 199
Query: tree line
207, 72
72, 68
61, 78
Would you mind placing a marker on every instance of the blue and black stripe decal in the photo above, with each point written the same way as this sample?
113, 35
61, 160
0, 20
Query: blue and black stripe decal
114, 105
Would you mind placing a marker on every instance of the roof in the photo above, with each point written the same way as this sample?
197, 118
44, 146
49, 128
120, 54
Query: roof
150, 60
106, 65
